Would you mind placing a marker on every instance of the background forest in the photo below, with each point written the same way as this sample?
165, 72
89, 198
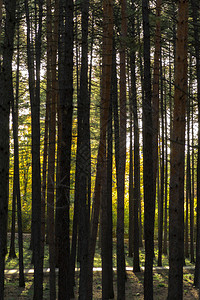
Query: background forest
99, 140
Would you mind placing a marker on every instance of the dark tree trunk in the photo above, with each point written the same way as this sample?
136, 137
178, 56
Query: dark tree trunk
105, 99
155, 95
34, 89
16, 166
131, 200
36, 178
83, 159
142, 84
136, 201
6, 96
106, 229
160, 211
176, 205
76, 204
122, 160
166, 165
65, 77
52, 42
149, 201
195, 8
12, 253
189, 169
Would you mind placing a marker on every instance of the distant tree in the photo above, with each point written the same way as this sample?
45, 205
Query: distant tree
176, 204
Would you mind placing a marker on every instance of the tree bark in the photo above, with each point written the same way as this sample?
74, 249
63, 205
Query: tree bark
122, 160
149, 201
52, 42
161, 200
6, 96
195, 8
136, 196
106, 218
83, 155
65, 77
105, 99
176, 205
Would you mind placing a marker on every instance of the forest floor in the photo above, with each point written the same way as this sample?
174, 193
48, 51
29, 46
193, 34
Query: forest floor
134, 286
134, 283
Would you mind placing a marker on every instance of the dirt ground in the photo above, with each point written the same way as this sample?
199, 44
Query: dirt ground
134, 287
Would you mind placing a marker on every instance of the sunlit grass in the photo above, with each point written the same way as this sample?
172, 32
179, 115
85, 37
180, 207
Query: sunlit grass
27, 253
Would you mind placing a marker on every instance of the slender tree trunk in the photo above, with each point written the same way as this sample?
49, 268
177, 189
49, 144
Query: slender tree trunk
106, 225
52, 94
12, 253
6, 96
83, 158
65, 77
190, 167
136, 201
105, 99
76, 203
16, 166
155, 92
176, 205
122, 160
131, 199
1, 4
195, 8
57, 221
160, 212
149, 201
166, 165
142, 84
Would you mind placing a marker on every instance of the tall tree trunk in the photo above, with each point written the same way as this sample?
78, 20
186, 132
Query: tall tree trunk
142, 84
12, 253
149, 201
1, 5
176, 205
16, 165
65, 77
36, 178
131, 199
105, 99
191, 197
166, 165
136, 201
122, 160
195, 8
83, 159
160, 211
155, 92
6, 96
76, 204
106, 230
52, 35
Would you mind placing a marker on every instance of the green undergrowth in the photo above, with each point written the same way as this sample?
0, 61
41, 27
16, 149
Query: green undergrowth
13, 263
